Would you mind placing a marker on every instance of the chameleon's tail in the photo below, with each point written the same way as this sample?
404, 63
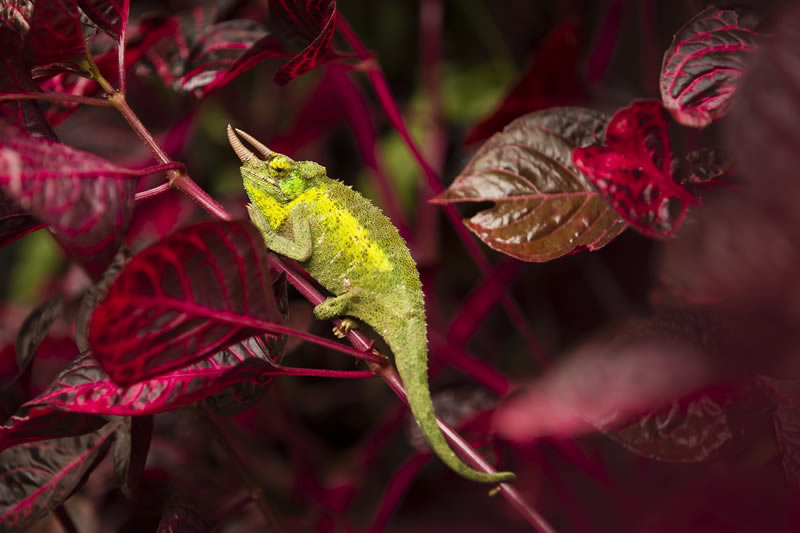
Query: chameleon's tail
411, 357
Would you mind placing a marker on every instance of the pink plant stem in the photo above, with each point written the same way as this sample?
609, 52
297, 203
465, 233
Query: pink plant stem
121, 45
56, 97
381, 87
155, 191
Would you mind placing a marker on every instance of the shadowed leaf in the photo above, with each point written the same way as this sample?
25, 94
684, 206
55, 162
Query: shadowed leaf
182, 519
544, 207
34, 422
634, 170
551, 80
55, 36
87, 201
38, 477
183, 299
787, 424
34, 329
703, 66
110, 15
129, 451
95, 295
15, 222
314, 21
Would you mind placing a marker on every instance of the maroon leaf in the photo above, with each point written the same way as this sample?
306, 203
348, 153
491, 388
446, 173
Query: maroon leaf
634, 170
14, 221
55, 35
34, 422
638, 367
110, 15
703, 66
315, 22
705, 167
84, 387
16, 15
87, 201
224, 52
38, 477
545, 208
787, 424
183, 299
34, 329
551, 80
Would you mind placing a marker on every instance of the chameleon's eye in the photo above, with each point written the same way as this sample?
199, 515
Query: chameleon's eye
280, 165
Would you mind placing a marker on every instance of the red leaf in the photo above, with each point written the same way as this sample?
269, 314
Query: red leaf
55, 34
34, 422
86, 200
183, 299
38, 477
110, 15
224, 52
551, 80
315, 22
633, 170
703, 66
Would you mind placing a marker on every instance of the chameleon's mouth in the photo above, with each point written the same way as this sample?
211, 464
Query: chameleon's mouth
244, 153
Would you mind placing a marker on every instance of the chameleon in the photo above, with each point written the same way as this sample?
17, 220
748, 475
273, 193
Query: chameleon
353, 250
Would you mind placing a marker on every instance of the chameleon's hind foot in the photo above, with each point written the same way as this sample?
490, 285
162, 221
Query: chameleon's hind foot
348, 324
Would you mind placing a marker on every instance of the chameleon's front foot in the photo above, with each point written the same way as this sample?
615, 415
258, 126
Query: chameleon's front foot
348, 324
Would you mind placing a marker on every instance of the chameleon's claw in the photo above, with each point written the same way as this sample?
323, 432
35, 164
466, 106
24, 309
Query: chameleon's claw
348, 324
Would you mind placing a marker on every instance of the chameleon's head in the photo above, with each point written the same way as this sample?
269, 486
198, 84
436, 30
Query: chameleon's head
276, 175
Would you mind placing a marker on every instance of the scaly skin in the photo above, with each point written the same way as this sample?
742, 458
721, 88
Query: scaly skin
355, 252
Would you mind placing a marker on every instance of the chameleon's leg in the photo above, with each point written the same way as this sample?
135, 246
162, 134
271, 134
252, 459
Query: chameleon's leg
298, 248
348, 324
337, 306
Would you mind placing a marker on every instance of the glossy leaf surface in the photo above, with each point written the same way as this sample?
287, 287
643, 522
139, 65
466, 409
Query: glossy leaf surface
38, 477
86, 200
703, 66
182, 300
634, 170
110, 15
544, 206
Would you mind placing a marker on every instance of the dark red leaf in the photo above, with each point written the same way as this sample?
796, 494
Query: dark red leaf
16, 15
31, 423
110, 15
703, 66
551, 80
38, 477
183, 299
315, 22
14, 221
787, 424
544, 207
182, 519
85, 387
638, 367
705, 167
224, 52
634, 170
55, 35
34, 329
87, 201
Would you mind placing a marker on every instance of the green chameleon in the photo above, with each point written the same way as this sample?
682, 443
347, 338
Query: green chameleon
355, 252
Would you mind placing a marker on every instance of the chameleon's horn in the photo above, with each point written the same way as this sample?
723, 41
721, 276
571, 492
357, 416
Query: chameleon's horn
244, 154
266, 152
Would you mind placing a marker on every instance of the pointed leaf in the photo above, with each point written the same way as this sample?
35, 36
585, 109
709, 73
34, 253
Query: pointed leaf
544, 207
38, 477
551, 80
86, 200
634, 170
315, 22
34, 422
183, 299
95, 294
703, 66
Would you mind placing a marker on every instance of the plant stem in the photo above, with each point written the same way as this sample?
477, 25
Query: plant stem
56, 97
256, 494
